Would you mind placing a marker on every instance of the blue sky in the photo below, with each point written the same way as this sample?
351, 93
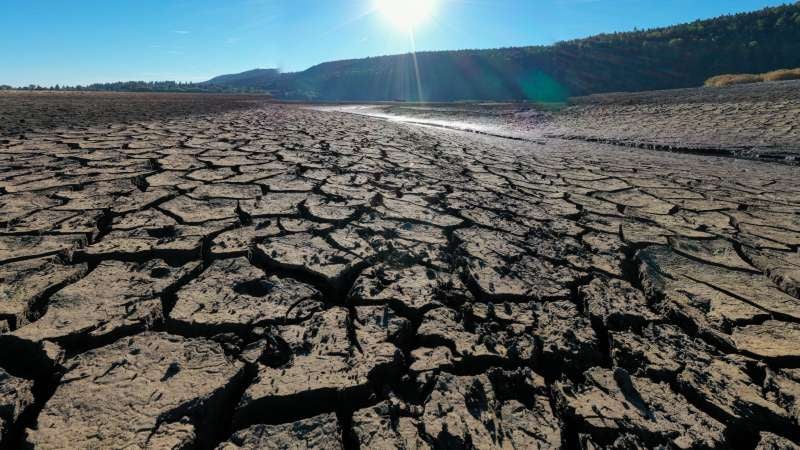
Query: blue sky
79, 41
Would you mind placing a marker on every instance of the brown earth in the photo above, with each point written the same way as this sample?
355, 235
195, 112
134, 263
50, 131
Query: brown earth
756, 121
279, 277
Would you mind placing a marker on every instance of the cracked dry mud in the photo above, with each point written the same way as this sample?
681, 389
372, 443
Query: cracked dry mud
278, 277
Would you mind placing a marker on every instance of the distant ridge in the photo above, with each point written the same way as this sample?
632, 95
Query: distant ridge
665, 58
256, 79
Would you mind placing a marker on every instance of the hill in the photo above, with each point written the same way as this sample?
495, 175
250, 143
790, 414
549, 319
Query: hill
256, 78
663, 58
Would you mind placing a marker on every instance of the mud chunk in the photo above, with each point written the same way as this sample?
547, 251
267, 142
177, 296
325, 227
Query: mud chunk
310, 256
772, 340
288, 183
192, 211
470, 411
754, 289
478, 341
226, 190
377, 324
16, 395
320, 432
148, 389
173, 243
784, 387
426, 359
18, 205
233, 295
411, 291
783, 268
612, 403
140, 201
388, 425
780, 235
211, 175
725, 389
769, 441
357, 242
716, 251
703, 308
325, 209
335, 361
40, 221
415, 209
634, 198
273, 204
25, 285
659, 352
151, 219
16, 248
502, 270
237, 242
115, 299
568, 342
616, 304
642, 233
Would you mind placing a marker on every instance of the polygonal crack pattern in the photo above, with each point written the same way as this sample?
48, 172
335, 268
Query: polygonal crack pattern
279, 277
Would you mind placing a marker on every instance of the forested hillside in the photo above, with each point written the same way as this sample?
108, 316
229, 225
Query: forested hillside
677, 56
256, 78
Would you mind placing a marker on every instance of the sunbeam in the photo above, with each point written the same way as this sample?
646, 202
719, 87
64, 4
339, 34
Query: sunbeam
406, 14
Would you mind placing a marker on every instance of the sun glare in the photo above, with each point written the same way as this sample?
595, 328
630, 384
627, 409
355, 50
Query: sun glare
406, 14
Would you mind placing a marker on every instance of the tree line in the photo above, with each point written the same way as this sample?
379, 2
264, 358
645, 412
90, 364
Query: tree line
141, 86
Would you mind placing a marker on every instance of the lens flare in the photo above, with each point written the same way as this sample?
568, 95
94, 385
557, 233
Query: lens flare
406, 14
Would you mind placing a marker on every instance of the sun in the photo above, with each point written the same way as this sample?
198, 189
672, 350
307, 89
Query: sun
406, 14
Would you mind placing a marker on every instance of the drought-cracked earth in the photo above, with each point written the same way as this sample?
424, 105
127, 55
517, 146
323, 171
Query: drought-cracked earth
279, 277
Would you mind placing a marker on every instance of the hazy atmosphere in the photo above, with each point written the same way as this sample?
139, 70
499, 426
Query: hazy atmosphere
81, 42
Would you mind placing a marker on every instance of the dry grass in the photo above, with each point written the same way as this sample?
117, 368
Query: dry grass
784, 74
745, 78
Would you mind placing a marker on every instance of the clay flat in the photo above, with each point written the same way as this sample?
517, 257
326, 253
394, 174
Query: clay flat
224, 272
